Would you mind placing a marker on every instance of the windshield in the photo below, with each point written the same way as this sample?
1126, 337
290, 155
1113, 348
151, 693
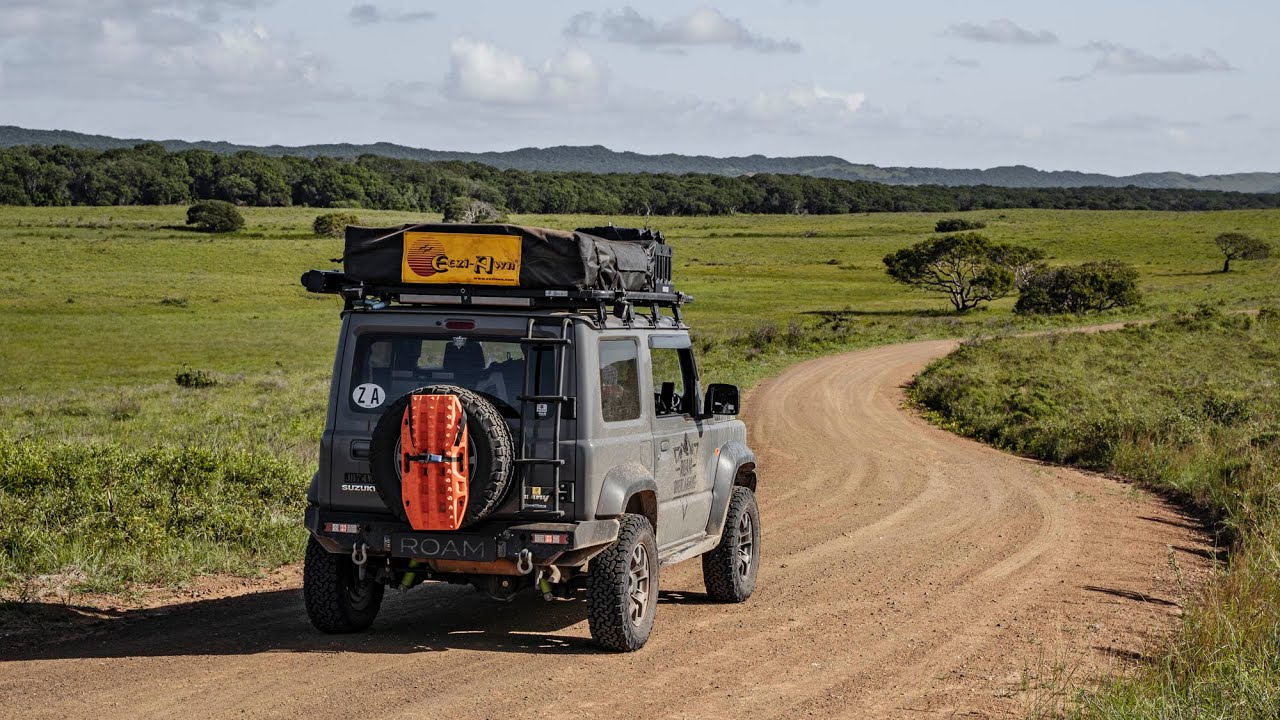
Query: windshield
386, 367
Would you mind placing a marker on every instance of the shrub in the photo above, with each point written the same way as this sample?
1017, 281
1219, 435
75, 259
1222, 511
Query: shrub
949, 225
1091, 287
334, 224
195, 379
215, 216
470, 210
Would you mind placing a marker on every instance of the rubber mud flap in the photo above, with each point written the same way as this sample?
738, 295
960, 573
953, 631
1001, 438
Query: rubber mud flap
490, 462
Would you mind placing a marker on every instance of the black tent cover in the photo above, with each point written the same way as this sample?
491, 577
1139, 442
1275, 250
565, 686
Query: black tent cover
602, 258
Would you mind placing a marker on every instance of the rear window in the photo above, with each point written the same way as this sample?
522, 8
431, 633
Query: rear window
619, 380
386, 367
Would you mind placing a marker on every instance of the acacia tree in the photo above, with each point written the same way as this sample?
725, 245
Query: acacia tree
1238, 246
1020, 260
966, 267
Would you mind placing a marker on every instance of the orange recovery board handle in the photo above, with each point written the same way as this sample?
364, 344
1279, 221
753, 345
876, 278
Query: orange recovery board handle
433, 446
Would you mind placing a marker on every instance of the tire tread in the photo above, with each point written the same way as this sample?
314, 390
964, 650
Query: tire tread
719, 567
606, 602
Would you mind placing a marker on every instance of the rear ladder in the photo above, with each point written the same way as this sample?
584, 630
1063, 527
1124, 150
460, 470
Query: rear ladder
535, 408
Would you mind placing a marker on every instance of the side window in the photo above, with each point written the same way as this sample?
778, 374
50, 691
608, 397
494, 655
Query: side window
619, 380
672, 381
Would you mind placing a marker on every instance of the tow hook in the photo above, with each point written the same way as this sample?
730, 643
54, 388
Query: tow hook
360, 556
547, 578
409, 576
524, 563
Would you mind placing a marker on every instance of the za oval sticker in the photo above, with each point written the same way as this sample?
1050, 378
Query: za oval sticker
369, 395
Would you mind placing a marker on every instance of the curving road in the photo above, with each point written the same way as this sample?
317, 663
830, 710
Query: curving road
907, 573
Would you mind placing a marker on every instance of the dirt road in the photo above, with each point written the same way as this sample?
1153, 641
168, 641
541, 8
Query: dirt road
907, 573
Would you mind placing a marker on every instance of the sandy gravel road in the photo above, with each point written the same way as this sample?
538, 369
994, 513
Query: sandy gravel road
907, 573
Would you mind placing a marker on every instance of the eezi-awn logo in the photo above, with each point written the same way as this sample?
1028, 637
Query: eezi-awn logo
428, 258
461, 258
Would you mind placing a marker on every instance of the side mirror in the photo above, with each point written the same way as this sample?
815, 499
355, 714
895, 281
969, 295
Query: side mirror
722, 399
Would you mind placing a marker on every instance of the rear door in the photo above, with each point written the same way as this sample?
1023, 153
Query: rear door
677, 439
386, 355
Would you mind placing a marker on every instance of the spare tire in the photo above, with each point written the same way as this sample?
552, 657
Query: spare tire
490, 455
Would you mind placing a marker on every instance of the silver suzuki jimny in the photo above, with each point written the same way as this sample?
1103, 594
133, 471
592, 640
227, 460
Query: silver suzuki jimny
520, 408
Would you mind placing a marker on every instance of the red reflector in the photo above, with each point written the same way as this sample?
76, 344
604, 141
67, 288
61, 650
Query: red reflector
459, 324
550, 539
348, 528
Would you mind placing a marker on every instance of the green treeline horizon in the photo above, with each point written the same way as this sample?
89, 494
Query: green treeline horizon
148, 174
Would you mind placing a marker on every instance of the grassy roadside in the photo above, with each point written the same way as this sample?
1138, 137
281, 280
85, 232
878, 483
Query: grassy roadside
100, 308
1188, 406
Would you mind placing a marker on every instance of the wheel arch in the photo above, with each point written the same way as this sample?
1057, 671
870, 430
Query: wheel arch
735, 466
629, 488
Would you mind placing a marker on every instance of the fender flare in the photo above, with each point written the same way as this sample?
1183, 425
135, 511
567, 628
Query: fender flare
736, 465
313, 490
623, 483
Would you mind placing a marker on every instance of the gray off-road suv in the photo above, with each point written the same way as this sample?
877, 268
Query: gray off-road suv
594, 454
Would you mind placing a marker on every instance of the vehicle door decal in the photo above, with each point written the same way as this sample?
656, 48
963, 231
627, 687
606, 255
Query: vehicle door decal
369, 395
686, 454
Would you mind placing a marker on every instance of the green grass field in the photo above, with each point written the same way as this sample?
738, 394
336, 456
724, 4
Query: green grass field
100, 308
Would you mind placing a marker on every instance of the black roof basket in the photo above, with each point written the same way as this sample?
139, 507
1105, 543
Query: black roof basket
358, 295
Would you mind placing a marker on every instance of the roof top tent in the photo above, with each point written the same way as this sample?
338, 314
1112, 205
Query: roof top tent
504, 266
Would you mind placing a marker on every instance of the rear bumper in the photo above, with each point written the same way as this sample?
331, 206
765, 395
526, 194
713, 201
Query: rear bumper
498, 542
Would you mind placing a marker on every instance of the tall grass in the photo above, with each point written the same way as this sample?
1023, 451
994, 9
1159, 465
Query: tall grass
94, 516
1189, 406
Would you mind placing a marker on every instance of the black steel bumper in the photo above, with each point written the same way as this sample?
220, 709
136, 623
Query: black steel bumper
496, 540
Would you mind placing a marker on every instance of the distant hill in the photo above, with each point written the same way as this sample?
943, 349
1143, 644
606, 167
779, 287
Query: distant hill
599, 159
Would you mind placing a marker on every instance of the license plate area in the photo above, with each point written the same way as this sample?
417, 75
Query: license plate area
437, 546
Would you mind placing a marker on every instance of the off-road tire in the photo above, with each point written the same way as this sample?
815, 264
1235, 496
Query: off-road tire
336, 600
610, 588
729, 571
489, 440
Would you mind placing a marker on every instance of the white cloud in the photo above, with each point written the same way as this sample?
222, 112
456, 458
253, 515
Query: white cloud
1120, 60
807, 99
1003, 32
1142, 125
152, 49
964, 62
1126, 122
482, 72
704, 26
370, 14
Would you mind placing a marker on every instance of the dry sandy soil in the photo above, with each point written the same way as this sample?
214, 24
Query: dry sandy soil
907, 573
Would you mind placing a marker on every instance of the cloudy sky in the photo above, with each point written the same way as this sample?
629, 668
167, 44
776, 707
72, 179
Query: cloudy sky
1102, 86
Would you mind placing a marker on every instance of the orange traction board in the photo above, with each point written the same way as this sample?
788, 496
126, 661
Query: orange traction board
433, 461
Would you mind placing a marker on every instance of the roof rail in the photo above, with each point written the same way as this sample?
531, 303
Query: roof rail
357, 294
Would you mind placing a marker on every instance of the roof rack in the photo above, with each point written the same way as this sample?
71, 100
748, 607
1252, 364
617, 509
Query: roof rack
357, 295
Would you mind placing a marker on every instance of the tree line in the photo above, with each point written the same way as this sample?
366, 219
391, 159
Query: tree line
148, 174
